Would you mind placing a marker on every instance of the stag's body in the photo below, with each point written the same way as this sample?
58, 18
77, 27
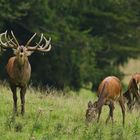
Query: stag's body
18, 66
133, 92
19, 76
109, 91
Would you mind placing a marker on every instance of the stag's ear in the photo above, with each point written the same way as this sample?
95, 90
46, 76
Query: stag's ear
89, 104
29, 53
14, 51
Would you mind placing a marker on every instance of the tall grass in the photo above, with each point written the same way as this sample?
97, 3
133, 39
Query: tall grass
58, 117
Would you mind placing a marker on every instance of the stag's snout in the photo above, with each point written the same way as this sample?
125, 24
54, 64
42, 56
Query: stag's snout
21, 50
21, 54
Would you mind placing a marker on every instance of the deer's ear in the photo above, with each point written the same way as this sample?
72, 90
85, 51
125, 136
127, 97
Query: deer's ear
89, 104
29, 53
95, 104
14, 51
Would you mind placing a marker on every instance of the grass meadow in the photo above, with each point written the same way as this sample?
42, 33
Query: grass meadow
55, 116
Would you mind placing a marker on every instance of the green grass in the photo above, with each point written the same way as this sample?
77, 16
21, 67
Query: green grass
58, 117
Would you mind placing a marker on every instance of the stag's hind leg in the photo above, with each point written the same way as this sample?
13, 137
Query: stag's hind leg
13, 89
22, 97
121, 102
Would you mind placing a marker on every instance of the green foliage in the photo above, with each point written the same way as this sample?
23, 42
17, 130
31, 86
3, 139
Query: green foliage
13, 9
89, 38
58, 117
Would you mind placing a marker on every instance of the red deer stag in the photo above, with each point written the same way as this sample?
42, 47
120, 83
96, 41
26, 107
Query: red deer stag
18, 66
109, 91
133, 92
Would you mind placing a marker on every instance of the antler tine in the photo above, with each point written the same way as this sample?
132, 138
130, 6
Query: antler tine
41, 38
47, 46
27, 45
1, 42
15, 38
11, 40
47, 42
38, 44
8, 41
42, 48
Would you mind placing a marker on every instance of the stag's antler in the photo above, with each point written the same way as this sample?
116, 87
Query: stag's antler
14, 38
27, 44
13, 43
38, 46
8, 43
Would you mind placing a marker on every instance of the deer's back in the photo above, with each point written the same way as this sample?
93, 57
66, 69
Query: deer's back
110, 87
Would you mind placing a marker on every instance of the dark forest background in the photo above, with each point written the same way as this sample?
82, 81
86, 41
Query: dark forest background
90, 38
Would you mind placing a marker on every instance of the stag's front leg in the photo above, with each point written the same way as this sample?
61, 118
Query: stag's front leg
13, 89
22, 97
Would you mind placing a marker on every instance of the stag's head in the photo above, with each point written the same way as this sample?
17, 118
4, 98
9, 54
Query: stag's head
91, 112
22, 52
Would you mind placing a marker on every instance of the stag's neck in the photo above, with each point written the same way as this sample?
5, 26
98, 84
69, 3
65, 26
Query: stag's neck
21, 63
18, 74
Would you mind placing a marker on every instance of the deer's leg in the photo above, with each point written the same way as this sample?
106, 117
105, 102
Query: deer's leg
129, 96
121, 102
22, 97
99, 113
108, 116
111, 109
131, 104
13, 89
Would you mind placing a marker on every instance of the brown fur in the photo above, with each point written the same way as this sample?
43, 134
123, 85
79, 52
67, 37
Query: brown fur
109, 91
18, 67
132, 94
19, 71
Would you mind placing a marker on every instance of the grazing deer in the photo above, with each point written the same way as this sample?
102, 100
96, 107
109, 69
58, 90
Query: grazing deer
133, 92
109, 91
18, 66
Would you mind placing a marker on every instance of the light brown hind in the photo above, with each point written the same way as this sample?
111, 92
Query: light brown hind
133, 92
109, 91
